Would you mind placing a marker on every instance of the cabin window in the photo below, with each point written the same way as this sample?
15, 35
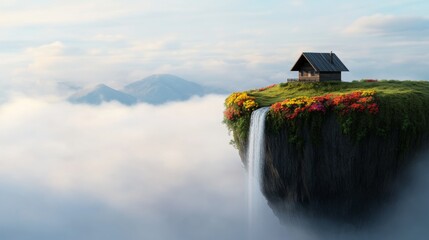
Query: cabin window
310, 73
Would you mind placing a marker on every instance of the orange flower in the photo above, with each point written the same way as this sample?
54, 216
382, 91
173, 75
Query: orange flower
345, 103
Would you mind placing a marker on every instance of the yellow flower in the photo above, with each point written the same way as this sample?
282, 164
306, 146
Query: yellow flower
231, 98
300, 101
249, 104
368, 93
241, 98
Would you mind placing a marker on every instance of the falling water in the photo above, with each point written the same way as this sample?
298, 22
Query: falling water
255, 156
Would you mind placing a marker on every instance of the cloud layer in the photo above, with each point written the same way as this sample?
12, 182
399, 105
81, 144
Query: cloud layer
379, 24
135, 164
113, 172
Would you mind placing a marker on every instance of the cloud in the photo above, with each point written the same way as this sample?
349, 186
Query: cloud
167, 164
117, 43
147, 172
78, 12
75, 147
218, 44
387, 25
113, 172
18, 15
234, 65
108, 37
45, 57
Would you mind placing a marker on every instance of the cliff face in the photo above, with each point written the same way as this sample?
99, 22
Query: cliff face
335, 177
333, 149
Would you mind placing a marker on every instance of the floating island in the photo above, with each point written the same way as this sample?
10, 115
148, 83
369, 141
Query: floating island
333, 149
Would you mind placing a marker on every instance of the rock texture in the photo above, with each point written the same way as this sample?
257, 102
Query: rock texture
335, 177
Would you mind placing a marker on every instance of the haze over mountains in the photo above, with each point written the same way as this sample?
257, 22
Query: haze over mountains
155, 89
102, 93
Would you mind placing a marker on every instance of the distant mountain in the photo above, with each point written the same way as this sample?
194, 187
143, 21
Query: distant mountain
155, 89
162, 88
102, 93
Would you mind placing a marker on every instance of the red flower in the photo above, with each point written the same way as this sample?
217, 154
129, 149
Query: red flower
373, 108
337, 100
357, 107
343, 104
276, 107
365, 100
317, 107
231, 113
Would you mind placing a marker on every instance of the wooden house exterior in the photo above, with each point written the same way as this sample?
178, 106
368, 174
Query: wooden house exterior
318, 67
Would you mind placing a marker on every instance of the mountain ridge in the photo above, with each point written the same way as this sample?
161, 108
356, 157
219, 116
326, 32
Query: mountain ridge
162, 88
102, 93
155, 89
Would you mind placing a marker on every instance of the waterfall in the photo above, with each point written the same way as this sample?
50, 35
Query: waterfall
255, 157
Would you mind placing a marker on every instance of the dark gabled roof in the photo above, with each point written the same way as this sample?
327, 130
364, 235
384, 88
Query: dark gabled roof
321, 62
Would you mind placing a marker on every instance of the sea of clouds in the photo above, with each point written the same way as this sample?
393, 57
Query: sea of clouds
144, 172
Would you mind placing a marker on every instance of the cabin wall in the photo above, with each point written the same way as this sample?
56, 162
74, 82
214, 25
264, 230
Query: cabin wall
307, 73
314, 78
319, 77
330, 76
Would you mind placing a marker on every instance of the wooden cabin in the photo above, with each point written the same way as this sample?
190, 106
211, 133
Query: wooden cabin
318, 67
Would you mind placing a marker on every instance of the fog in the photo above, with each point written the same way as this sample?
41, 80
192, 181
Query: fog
145, 172
118, 172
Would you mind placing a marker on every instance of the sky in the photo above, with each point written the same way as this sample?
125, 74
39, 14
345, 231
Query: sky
233, 44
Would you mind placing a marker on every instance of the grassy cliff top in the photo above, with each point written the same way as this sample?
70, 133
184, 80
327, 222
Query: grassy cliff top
396, 91
362, 108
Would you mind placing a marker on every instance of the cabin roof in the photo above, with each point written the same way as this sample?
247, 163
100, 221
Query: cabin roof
320, 62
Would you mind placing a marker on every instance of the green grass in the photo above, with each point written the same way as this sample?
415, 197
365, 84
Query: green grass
404, 106
386, 88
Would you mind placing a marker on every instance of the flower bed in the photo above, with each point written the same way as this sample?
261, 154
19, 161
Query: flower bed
352, 110
358, 101
239, 107
361, 109
238, 104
